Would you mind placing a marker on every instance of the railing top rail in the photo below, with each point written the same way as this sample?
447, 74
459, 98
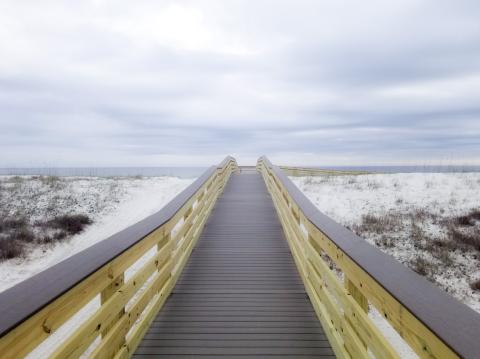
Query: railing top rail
23, 300
225, 161
454, 323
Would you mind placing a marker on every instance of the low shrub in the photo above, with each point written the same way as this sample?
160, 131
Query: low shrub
385, 241
464, 221
379, 224
71, 224
468, 219
471, 239
17, 232
421, 214
23, 234
16, 229
10, 249
59, 236
417, 234
422, 266
443, 254
12, 223
475, 285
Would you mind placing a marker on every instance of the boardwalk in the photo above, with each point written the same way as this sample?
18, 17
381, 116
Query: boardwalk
240, 294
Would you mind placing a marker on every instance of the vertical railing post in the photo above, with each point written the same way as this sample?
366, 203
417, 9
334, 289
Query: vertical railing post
187, 213
362, 302
356, 294
105, 295
186, 216
166, 241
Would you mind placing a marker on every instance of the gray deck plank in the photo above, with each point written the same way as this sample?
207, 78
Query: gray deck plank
240, 294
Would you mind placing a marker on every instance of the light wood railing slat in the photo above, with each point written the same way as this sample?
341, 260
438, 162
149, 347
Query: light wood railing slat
126, 307
78, 342
352, 341
342, 304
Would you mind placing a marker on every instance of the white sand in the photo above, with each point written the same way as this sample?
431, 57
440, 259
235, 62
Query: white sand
132, 201
347, 198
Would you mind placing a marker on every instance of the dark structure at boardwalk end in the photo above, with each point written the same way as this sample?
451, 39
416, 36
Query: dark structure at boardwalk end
258, 283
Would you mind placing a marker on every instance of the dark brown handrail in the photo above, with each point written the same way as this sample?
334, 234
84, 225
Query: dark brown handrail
20, 302
457, 325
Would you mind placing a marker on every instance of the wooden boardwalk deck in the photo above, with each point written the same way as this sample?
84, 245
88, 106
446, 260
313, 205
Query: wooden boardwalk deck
240, 294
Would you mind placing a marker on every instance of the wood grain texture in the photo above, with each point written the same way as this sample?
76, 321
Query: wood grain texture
240, 293
37, 307
432, 322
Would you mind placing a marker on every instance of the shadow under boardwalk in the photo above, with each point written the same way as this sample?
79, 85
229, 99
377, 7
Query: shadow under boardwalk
240, 294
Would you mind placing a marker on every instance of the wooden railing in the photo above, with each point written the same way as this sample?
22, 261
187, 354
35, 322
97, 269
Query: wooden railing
312, 172
33, 310
344, 276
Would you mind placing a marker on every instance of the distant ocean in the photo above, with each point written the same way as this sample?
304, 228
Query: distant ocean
192, 172
182, 172
407, 169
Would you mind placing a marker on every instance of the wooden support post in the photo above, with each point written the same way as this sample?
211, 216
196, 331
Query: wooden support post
356, 294
167, 238
166, 242
185, 216
360, 299
105, 295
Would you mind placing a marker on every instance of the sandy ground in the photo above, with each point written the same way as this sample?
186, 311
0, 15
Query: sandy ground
116, 203
112, 203
406, 216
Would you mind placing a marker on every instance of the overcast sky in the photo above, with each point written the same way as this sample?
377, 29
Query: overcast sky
151, 83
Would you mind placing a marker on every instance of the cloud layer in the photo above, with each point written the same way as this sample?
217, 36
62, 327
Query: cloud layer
98, 83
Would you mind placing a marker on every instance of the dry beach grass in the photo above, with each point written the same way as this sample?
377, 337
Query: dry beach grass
428, 221
43, 210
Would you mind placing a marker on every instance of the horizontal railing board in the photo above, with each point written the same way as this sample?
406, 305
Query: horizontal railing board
225, 161
452, 321
23, 300
229, 289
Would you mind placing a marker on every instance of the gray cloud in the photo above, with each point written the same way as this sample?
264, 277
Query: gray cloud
186, 82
